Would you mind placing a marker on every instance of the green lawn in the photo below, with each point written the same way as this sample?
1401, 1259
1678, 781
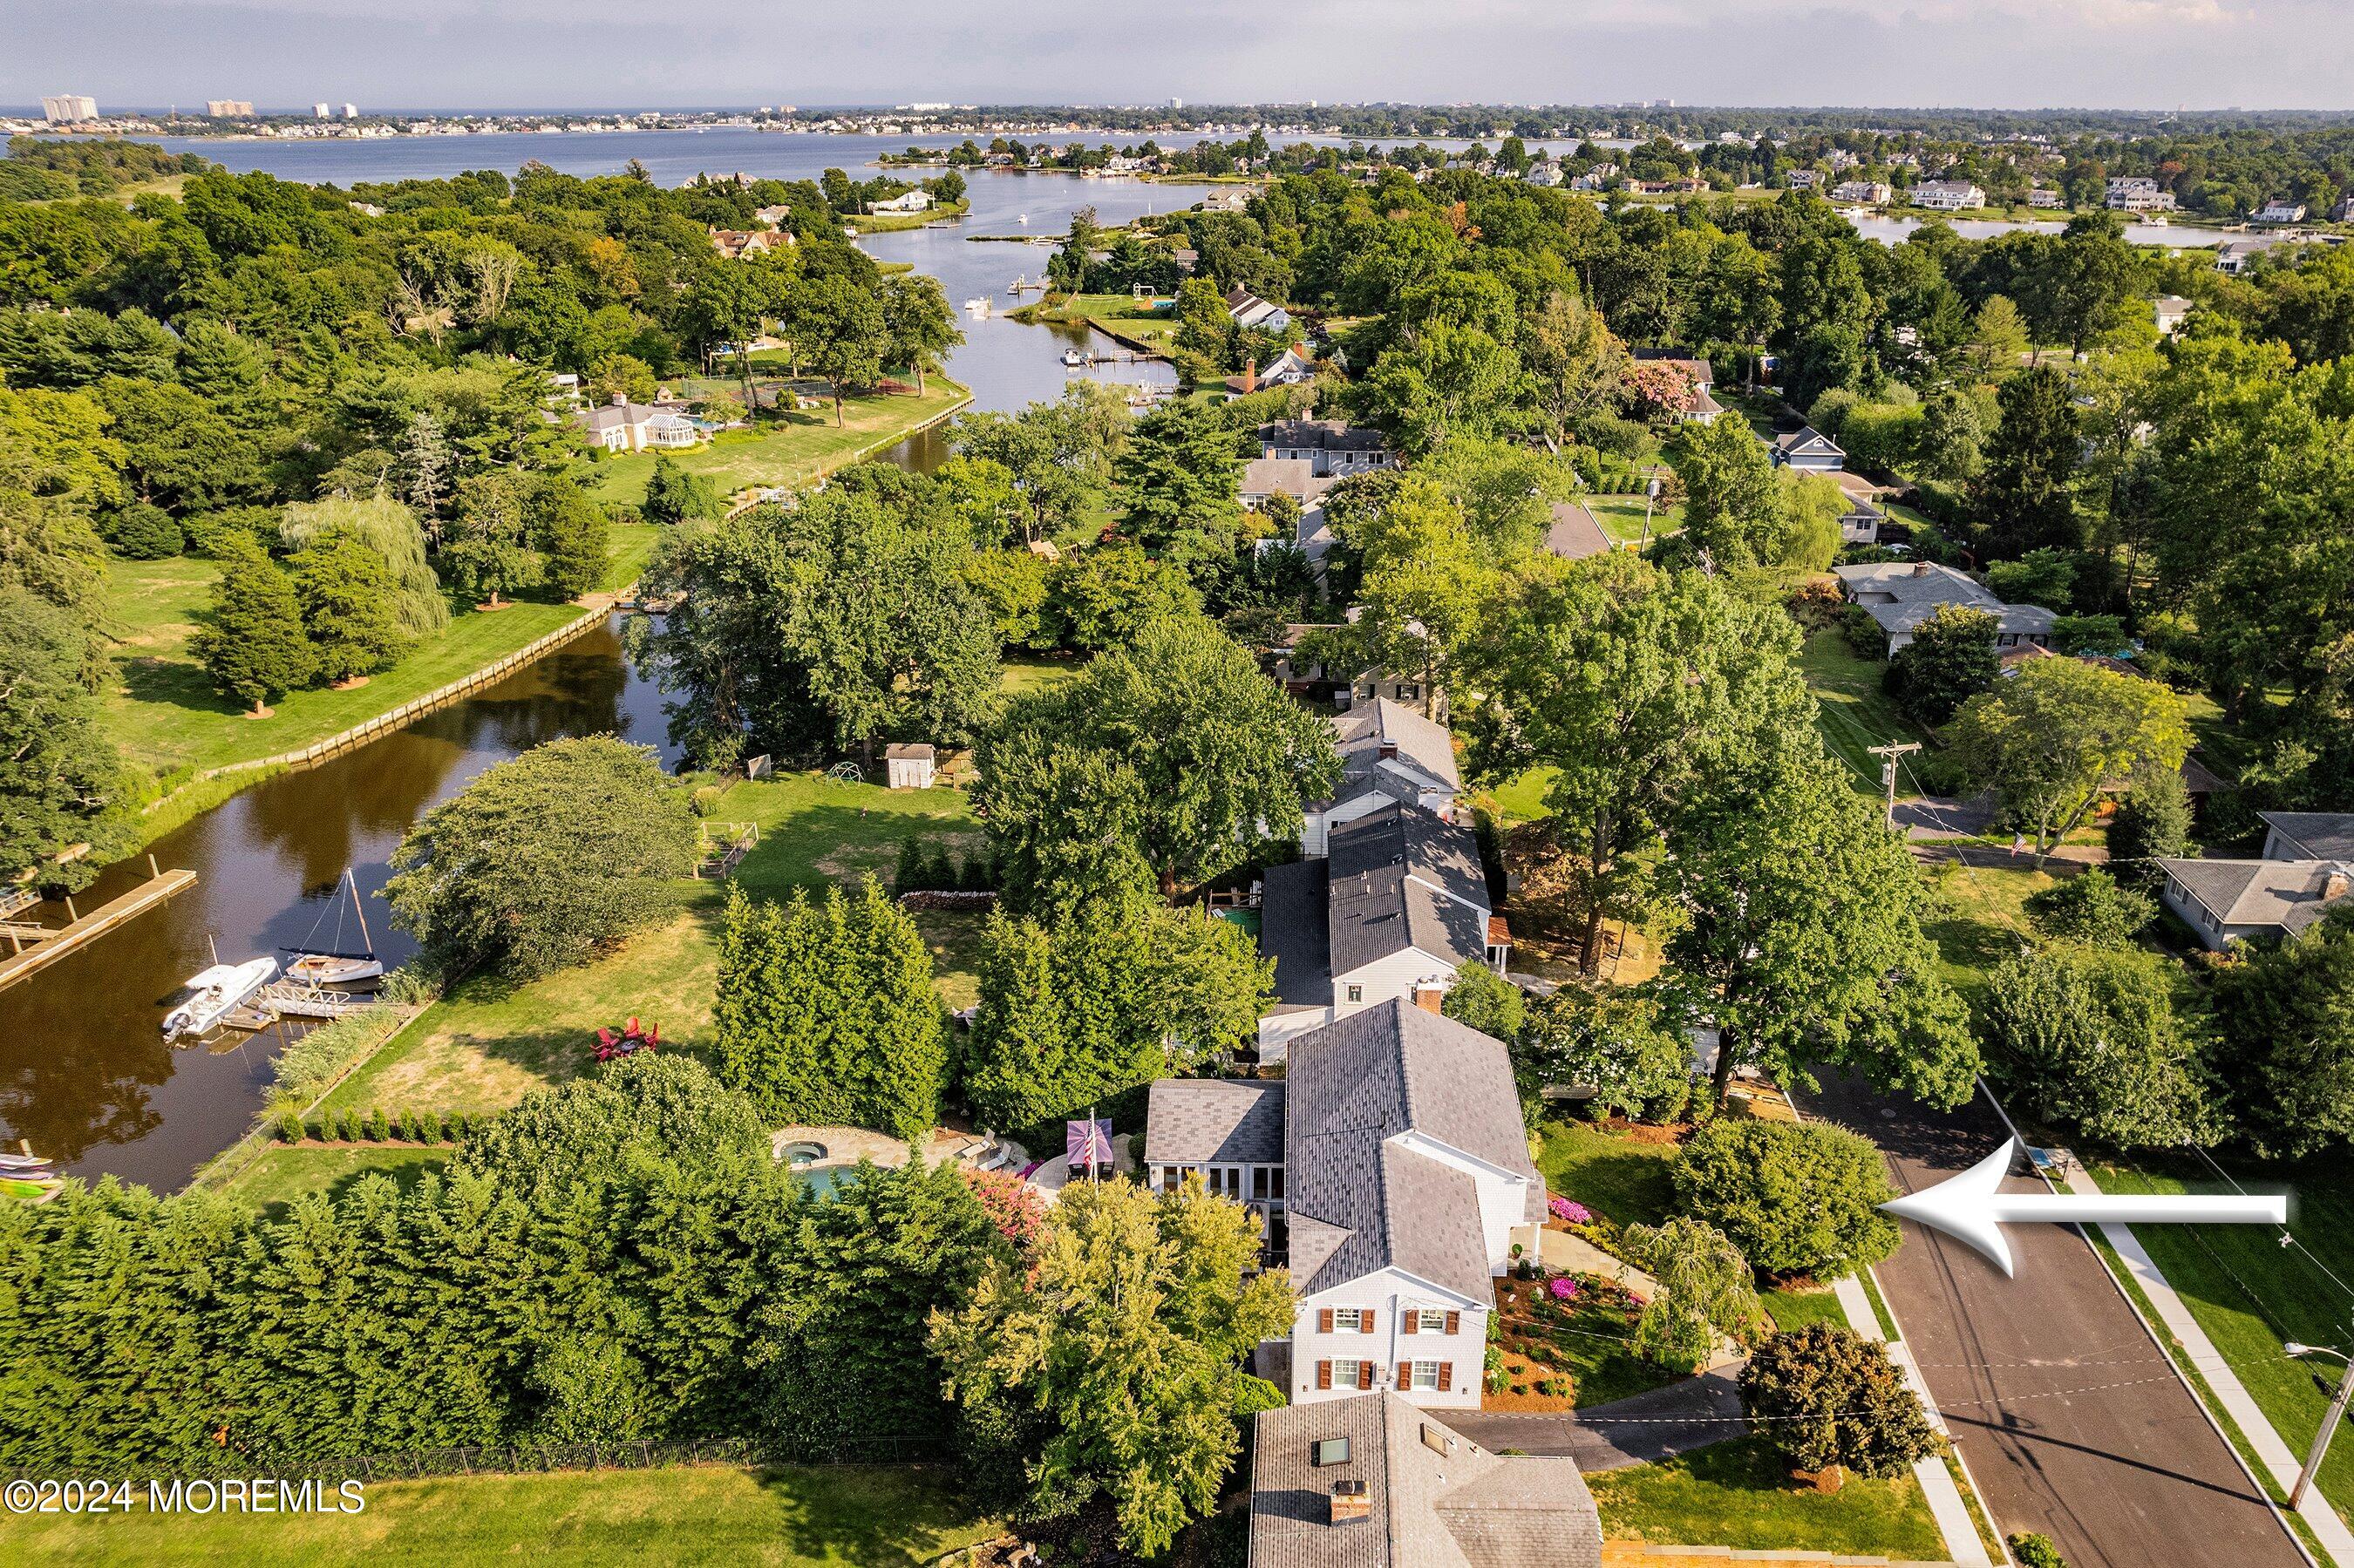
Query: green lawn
485, 1046
1795, 1309
1851, 710
1982, 920
1739, 1494
829, 1517
1621, 517
1121, 315
1611, 1173
281, 1173
2252, 1295
789, 449
164, 713
1521, 800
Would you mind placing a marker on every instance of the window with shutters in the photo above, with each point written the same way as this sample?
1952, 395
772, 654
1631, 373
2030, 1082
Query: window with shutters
1348, 1373
1425, 1375
1348, 1319
1430, 1320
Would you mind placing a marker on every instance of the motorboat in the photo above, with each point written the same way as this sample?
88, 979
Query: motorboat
1074, 360
215, 993
334, 964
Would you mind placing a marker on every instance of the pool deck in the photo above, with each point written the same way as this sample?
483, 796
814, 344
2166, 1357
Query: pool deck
845, 1146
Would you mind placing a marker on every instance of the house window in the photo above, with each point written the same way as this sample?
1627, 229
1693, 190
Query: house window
1267, 1181
1425, 1375
1349, 1374
1430, 1320
1225, 1182
1356, 993
1408, 693
1348, 1319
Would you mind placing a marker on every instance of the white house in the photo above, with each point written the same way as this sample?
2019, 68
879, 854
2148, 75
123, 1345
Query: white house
1376, 1482
1248, 309
1948, 195
1292, 367
1870, 193
2226, 901
2168, 310
2279, 212
1808, 450
1901, 595
1398, 903
622, 426
1390, 755
2135, 193
1396, 1189
917, 200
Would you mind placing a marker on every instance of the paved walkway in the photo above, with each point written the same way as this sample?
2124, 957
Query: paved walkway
1639, 1430
2271, 1449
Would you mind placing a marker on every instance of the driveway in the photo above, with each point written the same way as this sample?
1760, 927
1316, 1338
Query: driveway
2072, 1421
1640, 1430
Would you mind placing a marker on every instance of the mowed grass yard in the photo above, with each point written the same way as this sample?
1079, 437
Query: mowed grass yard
280, 1173
1621, 517
162, 708
818, 1516
1851, 710
790, 449
486, 1045
2250, 1294
1739, 1494
1123, 317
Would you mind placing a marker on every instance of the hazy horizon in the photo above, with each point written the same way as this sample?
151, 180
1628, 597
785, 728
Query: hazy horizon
444, 56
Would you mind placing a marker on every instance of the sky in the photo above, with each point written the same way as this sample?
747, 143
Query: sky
644, 54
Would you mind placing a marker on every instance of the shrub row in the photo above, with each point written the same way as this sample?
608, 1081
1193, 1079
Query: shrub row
350, 1125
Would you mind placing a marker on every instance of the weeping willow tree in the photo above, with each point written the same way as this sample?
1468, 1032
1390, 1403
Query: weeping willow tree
390, 531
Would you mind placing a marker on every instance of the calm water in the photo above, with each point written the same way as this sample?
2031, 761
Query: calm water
84, 1075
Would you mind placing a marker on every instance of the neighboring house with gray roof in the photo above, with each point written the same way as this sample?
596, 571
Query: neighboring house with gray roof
1575, 535
1229, 1132
1389, 753
1334, 448
1375, 1482
1807, 450
1397, 906
2226, 901
2308, 835
1901, 595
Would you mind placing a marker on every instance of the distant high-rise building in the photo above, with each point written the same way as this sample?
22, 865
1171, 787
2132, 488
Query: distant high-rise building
69, 108
229, 108
351, 112
1176, 103
318, 112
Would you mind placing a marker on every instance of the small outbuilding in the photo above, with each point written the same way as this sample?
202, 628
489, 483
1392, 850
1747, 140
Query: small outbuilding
908, 765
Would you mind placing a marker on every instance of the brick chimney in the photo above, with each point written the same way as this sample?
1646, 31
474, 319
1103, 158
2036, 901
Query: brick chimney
2335, 882
1350, 1502
1429, 998
1920, 568
1250, 374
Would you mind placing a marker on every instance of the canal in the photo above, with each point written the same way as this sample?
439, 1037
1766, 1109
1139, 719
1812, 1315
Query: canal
85, 1076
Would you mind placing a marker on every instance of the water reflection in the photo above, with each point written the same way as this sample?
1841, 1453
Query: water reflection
84, 1075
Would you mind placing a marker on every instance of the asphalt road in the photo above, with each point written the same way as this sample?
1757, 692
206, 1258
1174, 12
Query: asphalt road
1641, 1429
2072, 1421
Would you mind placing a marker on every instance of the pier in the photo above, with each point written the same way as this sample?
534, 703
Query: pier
35, 947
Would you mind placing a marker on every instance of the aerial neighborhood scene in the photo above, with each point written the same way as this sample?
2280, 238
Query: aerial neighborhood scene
1392, 809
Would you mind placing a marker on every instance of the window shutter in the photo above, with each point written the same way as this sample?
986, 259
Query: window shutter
1323, 1319
1406, 1376
1365, 1320
1446, 1376
1455, 1322
1323, 1374
1364, 1374
1409, 1321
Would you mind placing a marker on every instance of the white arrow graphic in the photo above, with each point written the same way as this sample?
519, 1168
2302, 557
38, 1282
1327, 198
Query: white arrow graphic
1968, 1208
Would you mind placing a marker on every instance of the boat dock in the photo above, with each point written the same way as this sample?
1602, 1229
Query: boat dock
35, 947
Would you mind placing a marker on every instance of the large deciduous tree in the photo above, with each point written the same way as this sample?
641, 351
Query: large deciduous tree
1824, 1395
1176, 756
58, 774
1950, 660
2285, 1041
2091, 1034
2053, 737
349, 609
542, 861
1795, 1198
254, 648
1734, 508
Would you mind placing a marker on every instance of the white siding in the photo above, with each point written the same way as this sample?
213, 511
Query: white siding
1389, 979
1388, 1293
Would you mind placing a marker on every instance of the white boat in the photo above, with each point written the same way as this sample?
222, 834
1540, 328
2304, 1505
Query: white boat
24, 1162
337, 965
1072, 359
217, 992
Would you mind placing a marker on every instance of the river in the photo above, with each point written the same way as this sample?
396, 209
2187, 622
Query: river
84, 1074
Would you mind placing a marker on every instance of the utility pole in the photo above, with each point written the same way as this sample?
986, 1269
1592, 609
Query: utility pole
1888, 754
2328, 1423
1650, 496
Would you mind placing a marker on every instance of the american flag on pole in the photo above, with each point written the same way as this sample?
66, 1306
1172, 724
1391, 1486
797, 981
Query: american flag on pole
1089, 1143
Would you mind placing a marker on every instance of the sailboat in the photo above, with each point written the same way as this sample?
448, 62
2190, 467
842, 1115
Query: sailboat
217, 992
337, 964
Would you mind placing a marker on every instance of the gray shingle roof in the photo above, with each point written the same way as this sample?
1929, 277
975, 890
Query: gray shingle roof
1197, 1121
1804, 438
1404, 879
1362, 732
2288, 894
1918, 587
1436, 1498
1296, 477
1331, 435
1575, 535
1293, 930
1362, 1080
2318, 835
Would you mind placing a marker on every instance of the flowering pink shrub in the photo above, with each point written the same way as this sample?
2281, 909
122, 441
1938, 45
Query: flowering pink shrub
1565, 1289
1570, 1212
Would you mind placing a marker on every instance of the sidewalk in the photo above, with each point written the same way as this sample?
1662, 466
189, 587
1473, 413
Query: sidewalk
1937, 1488
2272, 1451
